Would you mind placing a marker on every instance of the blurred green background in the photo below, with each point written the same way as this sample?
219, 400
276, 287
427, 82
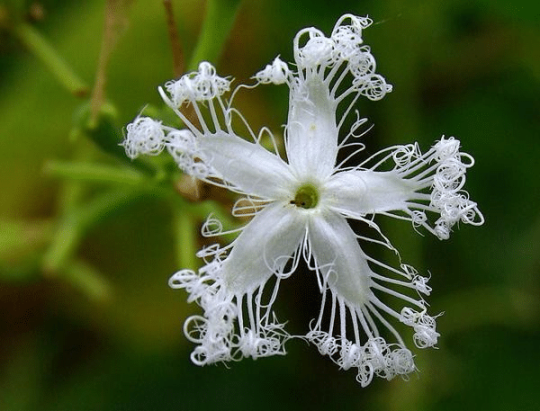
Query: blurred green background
87, 321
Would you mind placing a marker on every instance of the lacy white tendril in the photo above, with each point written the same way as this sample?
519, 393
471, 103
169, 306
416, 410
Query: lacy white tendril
277, 73
439, 176
144, 136
182, 146
202, 85
424, 326
318, 50
347, 42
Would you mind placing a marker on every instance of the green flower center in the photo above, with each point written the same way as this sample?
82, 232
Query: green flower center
307, 196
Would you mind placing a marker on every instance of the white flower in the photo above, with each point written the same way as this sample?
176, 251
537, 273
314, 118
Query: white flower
301, 207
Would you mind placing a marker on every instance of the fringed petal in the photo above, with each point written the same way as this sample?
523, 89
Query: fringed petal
264, 248
338, 258
246, 166
357, 193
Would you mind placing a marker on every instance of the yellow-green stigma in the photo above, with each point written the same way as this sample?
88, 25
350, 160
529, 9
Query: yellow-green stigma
306, 197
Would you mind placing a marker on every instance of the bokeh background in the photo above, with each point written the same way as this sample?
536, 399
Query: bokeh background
98, 328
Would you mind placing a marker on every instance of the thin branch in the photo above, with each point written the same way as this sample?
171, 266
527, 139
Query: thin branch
176, 46
115, 23
34, 41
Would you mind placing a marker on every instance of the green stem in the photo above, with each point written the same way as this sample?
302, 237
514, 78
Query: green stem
39, 46
87, 279
185, 225
219, 20
94, 172
77, 223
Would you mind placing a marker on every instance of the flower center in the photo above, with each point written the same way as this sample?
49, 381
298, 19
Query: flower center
307, 196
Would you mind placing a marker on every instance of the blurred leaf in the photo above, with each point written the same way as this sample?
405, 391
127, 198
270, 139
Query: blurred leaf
21, 379
218, 22
18, 238
22, 271
81, 219
480, 307
21, 249
527, 11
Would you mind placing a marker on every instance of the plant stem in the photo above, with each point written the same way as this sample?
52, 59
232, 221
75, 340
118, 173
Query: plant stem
94, 172
176, 46
78, 221
88, 280
41, 48
116, 21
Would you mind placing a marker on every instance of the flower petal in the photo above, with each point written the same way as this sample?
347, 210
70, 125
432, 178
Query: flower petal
339, 258
247, 166
263, 248
312, 133
356, 193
